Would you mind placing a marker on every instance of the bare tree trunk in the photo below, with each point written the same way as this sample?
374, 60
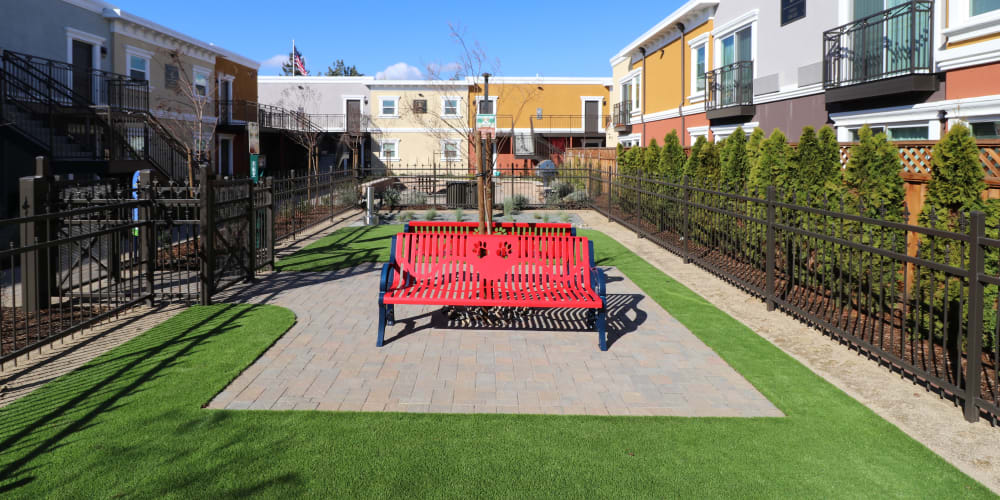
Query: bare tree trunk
488, 178
480, 187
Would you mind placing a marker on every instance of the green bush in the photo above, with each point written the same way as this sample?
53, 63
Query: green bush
520, 202
459, 215
430, 214
953, 191
709, 167
650, 159
772, 165
391, 198
817, 172
508, 208
407, 216
672, 158
735, 162
692, 165
872, 177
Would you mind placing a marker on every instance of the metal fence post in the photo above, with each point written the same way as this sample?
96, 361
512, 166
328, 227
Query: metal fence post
974, 347
38, 267
147, 233
686, 234
207, 231
771, 250
251, 241
269, 219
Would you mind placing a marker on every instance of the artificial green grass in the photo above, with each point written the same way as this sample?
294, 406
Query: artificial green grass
129, 424
348, 247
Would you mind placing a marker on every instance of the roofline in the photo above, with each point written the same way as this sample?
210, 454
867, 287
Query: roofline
314, 79
668, 23
110, 11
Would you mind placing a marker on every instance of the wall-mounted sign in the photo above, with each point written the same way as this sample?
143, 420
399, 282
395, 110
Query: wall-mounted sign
792, 10
253, 136
524, 145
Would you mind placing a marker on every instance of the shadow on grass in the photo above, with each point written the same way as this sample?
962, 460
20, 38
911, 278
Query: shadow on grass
348, 247
73, 403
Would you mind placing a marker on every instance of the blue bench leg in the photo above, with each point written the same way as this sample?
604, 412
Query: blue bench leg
602, 334
381, 325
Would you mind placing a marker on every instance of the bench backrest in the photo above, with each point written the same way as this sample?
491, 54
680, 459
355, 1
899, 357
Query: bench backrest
521, 258
541, 228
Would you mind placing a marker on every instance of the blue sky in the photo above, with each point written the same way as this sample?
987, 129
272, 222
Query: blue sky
527, 37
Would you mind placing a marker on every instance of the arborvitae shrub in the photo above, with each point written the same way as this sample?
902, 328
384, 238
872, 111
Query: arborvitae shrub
772, 166
672, 158
709, 167
650, 159
691, 167
872, 177
957, 173
735, 162
754, 143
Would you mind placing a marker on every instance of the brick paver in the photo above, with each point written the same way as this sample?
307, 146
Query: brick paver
550, 365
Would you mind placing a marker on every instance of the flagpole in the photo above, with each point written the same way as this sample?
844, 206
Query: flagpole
293, 57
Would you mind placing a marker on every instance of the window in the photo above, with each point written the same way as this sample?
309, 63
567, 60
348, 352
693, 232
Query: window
792, 10
387, 106
390, 150
737, 47
449, 151
487, 107
449, 106
201, 77
419, 106
631, 92
977, 7
699, 69
903, 133
986, 130
138, 67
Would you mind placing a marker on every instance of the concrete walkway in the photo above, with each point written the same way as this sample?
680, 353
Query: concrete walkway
550, 365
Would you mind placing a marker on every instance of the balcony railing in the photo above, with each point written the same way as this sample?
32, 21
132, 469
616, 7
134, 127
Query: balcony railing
573, 124
622, 114
728, 86
92, 87
891, 43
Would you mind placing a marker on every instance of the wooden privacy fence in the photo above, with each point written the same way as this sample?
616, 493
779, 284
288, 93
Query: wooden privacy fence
85, 252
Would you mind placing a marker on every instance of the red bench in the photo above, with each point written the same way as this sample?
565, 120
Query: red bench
542, 228
468, 269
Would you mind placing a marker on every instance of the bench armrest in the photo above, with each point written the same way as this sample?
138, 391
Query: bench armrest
385, 281
599, 281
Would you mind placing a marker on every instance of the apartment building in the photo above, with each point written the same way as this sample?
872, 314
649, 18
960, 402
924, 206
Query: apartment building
908, 68
423, 123
539, 118
339, 107
122, 93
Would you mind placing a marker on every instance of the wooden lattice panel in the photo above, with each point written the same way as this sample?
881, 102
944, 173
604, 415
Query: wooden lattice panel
990, 156
916, 159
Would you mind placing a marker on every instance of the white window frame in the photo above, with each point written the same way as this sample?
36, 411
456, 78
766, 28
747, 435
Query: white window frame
631, 140
395, 106
981, 119
395, 149
458, 106
962, 26
698, 43
494, 99
231, 168
633, 77
720, 33
143, 54
458, 150
96, 43
885, 126
195, 71
695, 132
722, 132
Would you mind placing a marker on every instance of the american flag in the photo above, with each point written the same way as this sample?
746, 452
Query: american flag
300, 63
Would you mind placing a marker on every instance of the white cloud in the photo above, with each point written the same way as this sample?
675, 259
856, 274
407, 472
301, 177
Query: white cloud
444, 70
274, 61
400, 71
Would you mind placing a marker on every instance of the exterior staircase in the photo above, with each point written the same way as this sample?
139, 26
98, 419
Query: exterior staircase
98, 123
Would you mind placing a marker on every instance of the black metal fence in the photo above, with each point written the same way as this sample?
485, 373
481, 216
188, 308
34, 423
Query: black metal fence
890, 43
84, 252
451, 185
922, 299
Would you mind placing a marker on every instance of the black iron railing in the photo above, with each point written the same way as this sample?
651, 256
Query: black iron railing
622, 113
590, 124
891, 43
730, 85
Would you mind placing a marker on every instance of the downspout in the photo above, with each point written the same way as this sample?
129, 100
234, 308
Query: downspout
642, 102
680, 109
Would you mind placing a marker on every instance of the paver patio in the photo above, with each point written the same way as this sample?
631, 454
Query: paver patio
329, 361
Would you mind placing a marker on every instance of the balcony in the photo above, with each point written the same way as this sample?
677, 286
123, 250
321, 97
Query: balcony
622, 115
729, 91
575, 125
885, 54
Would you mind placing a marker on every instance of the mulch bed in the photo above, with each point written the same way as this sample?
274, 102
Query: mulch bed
19, 329
858, 312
